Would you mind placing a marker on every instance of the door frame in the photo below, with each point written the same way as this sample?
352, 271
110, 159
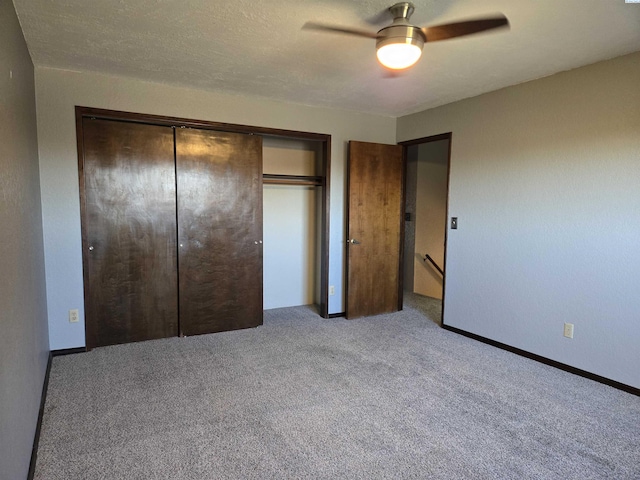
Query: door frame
420, 141
324, 140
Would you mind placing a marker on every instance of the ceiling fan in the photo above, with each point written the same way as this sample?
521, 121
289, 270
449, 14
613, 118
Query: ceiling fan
399, 45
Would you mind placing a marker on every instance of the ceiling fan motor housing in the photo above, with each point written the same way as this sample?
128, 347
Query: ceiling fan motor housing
400, 34
401, 31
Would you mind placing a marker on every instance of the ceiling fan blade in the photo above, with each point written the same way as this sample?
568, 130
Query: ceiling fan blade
336, 29
459, 29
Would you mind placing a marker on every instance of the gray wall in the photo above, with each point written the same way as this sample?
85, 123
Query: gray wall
545, 181
59, 91
24, 343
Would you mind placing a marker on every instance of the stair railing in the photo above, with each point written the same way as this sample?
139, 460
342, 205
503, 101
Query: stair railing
428, 258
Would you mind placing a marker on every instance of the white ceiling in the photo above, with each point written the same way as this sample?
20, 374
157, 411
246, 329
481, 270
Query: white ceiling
254, 47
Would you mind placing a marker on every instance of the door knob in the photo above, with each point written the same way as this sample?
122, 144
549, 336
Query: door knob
353, 241
91, 248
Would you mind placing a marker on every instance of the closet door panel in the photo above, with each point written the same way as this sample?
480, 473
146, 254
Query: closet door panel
130, 250
219, 182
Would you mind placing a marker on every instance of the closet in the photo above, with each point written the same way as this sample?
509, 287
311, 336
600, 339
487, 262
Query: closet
292, 197
172, 223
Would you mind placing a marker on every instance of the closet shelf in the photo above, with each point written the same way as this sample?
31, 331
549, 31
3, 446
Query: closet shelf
272, 179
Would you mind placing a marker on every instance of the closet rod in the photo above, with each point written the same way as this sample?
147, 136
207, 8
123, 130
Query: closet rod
272, 179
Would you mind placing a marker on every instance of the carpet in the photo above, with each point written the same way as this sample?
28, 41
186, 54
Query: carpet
389, 396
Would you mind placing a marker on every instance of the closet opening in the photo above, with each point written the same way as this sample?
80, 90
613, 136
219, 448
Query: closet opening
292, 213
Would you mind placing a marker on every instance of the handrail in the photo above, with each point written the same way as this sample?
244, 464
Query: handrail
427, 257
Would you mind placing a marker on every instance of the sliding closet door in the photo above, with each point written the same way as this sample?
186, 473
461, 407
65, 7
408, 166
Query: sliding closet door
219, 181
129, 227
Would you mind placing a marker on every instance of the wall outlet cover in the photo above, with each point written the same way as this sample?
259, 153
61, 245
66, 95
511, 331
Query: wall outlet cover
568, 330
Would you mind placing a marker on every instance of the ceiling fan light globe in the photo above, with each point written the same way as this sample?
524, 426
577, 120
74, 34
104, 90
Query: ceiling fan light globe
399, 45
398, 56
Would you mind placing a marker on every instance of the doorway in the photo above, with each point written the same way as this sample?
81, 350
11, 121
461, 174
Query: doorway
426, 207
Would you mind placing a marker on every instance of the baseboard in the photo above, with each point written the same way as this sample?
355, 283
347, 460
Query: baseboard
43, 399
68, 351
36, 437
547, 361
336, 315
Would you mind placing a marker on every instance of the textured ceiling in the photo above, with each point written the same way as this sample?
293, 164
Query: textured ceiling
253, 47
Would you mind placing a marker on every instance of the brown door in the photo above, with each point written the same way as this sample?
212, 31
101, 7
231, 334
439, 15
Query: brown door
129, 246
375, 191
219, 181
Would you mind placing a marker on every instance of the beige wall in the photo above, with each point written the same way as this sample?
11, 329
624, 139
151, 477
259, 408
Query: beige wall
58, 91
411, 183
544, 180
23, 313
431, 216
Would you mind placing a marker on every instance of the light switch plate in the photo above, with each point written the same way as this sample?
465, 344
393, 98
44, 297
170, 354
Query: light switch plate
454, 223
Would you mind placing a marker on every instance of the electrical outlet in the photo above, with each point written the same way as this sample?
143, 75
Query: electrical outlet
568, 330
74, 316
332, 290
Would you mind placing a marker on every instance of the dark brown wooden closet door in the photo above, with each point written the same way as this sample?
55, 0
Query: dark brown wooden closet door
219, 178
130, 251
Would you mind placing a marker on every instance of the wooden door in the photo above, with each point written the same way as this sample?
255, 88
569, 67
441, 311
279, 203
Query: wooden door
219, 181
129, 224
375, 211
